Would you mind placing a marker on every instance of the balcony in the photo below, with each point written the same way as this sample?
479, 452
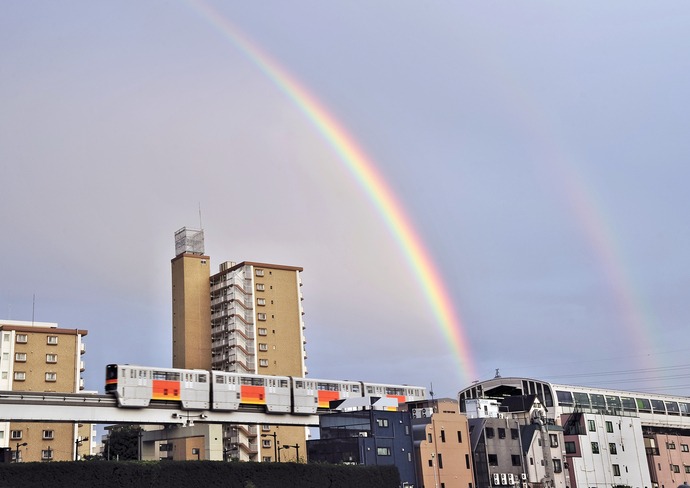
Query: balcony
82, 348
652, 451
82, 368
81, 383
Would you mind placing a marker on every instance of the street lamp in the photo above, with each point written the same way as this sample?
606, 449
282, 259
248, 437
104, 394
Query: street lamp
296, 446
275, 443
16, 459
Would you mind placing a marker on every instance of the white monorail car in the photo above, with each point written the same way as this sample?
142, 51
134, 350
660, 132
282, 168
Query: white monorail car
232, 389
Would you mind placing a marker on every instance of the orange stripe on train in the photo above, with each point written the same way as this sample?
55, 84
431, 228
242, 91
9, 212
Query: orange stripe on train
110, 382
166, 390
254, 395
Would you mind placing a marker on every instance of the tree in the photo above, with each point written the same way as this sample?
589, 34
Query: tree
123, 441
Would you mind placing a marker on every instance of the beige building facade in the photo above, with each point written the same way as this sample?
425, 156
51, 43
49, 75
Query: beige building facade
40, 356
246, 318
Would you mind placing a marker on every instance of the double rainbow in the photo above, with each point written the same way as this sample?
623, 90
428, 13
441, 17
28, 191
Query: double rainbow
372, 182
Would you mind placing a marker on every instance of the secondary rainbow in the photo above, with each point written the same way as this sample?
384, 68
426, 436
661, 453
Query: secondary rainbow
369, 178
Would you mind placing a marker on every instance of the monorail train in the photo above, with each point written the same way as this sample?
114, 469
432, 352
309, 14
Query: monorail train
195, 389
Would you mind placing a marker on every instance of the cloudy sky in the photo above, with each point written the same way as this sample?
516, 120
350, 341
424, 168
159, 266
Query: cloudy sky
540, 151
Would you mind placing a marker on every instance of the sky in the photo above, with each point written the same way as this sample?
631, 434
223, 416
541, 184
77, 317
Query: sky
539, 151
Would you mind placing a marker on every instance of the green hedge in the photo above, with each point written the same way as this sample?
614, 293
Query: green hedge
197, 474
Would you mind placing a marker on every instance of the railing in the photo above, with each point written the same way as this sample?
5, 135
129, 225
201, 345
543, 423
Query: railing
82, 348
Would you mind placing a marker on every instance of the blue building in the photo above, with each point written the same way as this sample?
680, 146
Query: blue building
367, 437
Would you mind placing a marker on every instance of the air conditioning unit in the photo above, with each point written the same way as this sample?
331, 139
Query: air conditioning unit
504, 479
497, 479
511, 479
523, 476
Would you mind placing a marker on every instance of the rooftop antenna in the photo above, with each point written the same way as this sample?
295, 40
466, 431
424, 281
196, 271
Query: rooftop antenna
498, 375
33, 311
201, 227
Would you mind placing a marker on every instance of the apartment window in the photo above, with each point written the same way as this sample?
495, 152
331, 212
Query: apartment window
51, 358
51, 376
48, 434
263, 347
570, 447
47, 455
266, 443
609, 426
22, 338
16, 434
7, 338
261, 316
616, 470
383, 451
467, 461
382, 422
263, 332
263, 363
431, 439
554, 440
493, 460
592, 426
260, 287
684, 447
687, 468
612, 448
265, 427
459, 437
6, 356
52, 340
675, 468
267, 459
671, 445
489, 432
261, 301
259, 272
514, 434
2, 434
20, 357
431, 463
440, 461
516, 459
501, 433
4, 375
443, 436
19, 376
557, 468
595, 448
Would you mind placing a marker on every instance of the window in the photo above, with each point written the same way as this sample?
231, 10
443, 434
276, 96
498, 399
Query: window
4, 375
671, 445
570, 447
459, 437
263, 347
266, 443
675, 468
440, 461
260, 287
2, 434
616, 470
443, 436
612, 448
6, 356
431, 463
687, 469
51, 358
409, 457
267, 459
263, 363
7, 338
265, 427
609, 426
16, 434
592, 426
47, 434
20, 356
263, 332
47, 455
261, 316
684, 447
431, 439
261, 301
19, 376
516, 459
595, 448
554, 440
51, 376
467, 461
22, 338
501, 433
493, 460
557, 468
52, 340
259, 272
514, 434
489, 432
382, 422
383, 451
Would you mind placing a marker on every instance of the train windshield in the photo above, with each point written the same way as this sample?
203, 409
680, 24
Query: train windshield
111, 372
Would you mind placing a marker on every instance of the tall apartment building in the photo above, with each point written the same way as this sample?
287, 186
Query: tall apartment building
40, 357
247, 318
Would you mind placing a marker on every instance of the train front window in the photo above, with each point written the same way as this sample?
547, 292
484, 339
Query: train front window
111, 372
565, 398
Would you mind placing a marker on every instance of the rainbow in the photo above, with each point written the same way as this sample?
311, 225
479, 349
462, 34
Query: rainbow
365, 173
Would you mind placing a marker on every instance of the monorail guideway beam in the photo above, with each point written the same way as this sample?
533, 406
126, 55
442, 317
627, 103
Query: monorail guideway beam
103, 409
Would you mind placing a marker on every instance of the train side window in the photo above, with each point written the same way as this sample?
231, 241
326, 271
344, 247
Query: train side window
283, 383
298, 384
220, 379
133, 373
202, 378
355, 388
370, 390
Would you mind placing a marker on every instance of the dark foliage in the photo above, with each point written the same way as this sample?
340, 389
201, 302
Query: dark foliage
123, 442
150, 474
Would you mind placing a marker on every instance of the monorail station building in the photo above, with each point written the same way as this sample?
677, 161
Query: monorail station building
611, 437
246, 318
39, 356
